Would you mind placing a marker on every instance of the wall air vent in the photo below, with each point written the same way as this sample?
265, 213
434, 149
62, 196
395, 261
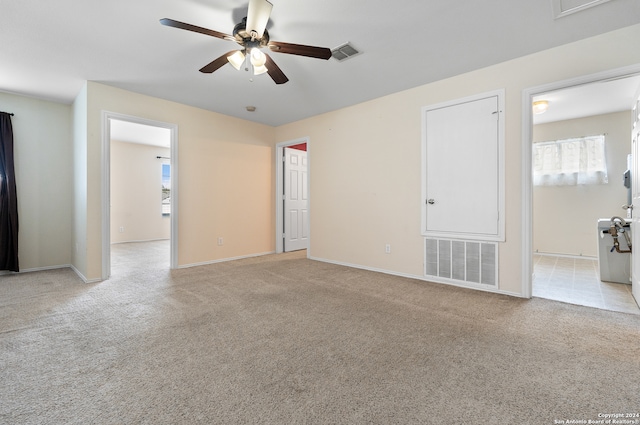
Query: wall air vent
344, 51
462, 261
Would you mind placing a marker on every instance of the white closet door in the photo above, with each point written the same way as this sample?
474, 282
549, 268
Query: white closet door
463, 169
296, 210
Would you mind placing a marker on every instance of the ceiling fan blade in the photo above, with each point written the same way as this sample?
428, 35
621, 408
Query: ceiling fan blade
300, 49
274, 72
182, 25
216, 63
258, 16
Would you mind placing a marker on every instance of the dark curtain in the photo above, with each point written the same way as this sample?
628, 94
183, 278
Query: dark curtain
8, 198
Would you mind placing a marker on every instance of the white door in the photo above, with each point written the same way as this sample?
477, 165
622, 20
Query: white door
635, 220
463, 169
296, 212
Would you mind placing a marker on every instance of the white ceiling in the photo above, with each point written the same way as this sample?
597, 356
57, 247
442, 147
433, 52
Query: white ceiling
590, 99
50, 48
125, 131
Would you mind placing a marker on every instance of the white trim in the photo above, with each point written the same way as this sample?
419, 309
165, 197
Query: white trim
500, 236
225, 260
84, 279
279, 184
50, 268
140, 241
467, 285
574, 256
559, 13
46, 268
175, 198
36, 269
106, 185
106, 195
527, 138
527, 197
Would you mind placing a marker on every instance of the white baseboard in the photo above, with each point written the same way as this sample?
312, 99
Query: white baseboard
58, 267
141, 241
554, 254
42, 269
81, 276
224, 260
423, 278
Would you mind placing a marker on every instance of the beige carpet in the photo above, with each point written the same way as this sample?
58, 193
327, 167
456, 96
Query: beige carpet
284, 340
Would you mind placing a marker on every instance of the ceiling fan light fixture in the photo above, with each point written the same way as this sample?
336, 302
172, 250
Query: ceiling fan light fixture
258, 59
236, 59
540, 106
252, 35
257, 70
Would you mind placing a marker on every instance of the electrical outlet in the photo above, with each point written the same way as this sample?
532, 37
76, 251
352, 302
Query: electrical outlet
121, 229
220, 241
387, 248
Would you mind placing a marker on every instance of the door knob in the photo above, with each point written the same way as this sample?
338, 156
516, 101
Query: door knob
431, 201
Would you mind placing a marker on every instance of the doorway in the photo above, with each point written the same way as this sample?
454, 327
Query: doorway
142, 209
292, 233
560, 244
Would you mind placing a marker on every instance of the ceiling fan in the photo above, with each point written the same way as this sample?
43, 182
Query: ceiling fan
251, 34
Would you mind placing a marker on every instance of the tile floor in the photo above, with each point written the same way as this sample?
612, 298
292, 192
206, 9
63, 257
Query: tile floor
577, 281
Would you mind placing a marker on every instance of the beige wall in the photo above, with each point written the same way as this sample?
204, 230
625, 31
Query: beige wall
43, 163
136, 195
80, 173
365, 165
226, 178
565, 217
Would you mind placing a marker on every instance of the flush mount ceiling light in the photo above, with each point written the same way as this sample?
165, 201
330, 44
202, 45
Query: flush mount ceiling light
540, 106
252, 35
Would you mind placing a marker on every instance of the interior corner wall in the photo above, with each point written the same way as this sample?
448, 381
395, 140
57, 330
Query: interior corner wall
43, 164
365, 160
80, 168
565, 217
225, 171
136, 193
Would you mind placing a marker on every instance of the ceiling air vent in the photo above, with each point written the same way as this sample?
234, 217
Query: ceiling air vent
563, 8
344, 51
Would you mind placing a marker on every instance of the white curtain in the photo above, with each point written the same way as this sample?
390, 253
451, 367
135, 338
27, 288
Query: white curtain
570, 162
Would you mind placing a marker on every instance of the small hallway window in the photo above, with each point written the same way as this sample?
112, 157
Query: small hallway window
568, 162
166, 189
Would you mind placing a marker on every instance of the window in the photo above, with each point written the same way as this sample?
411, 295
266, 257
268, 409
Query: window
570, 162
166, 189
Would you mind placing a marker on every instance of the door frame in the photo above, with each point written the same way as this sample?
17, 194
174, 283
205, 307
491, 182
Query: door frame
279, 158
526, 164
107, 116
